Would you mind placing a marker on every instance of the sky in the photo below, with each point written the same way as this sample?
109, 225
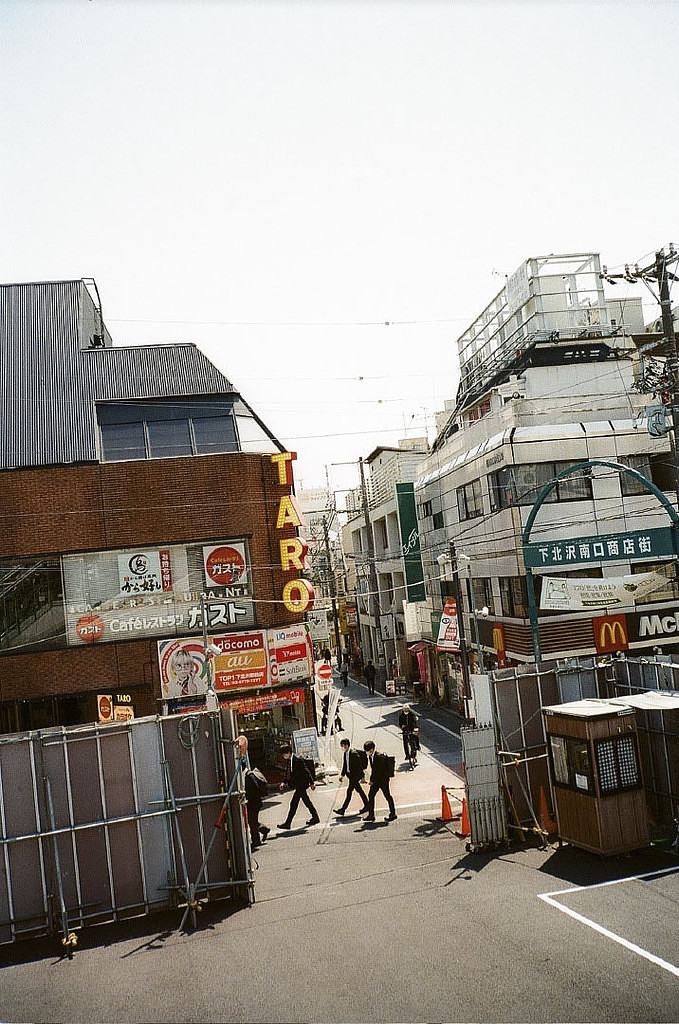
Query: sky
323, 195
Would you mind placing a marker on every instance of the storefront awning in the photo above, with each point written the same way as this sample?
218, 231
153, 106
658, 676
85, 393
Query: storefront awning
420, 645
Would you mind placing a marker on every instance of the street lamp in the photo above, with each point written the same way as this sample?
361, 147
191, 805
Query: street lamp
475, 612
479, 650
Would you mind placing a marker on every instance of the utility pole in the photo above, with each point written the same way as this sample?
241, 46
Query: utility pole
372, 572
658, 272
464, 655
331, 583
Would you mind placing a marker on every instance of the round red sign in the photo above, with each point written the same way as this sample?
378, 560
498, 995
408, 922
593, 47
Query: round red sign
224, 565
324, 671
89, 628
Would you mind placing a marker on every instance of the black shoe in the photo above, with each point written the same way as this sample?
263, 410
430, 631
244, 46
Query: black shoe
264, 831
340, 812
390, 817
285, 825
371, 817
313, 821
255, 846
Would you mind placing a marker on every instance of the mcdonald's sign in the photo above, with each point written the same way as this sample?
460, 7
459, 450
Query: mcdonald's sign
610, 633
499, 644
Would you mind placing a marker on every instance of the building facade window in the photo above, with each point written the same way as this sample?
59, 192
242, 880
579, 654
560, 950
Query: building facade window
470, 500
32, 605
521, 485
438, 521
166, 429
514, 597
657, 467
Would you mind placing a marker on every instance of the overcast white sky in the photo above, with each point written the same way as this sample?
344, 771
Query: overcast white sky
275, 180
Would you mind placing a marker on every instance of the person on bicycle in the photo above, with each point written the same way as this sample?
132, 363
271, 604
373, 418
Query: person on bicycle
408, 723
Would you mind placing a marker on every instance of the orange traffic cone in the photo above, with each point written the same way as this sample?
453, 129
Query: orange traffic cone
548, 825
446, 813
465, 830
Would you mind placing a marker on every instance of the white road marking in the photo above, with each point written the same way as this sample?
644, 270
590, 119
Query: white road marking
547, 898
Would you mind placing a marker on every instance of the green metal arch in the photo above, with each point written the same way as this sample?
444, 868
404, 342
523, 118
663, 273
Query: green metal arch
662, 498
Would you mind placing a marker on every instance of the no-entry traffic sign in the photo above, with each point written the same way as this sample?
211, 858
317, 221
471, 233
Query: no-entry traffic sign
324, 672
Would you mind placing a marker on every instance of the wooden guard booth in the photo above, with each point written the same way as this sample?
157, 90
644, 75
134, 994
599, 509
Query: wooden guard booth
595, 774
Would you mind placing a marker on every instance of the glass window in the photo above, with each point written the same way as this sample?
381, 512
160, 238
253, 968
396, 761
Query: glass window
169, 438
437, 521
120, 441
214, 434
470, 500
521, 485
167, 428
628, 485
570, 763
31, 605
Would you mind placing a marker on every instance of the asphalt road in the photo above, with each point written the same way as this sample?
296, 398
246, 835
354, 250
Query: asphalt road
389, 922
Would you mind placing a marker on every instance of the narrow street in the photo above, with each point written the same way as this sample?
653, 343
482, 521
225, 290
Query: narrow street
386, 922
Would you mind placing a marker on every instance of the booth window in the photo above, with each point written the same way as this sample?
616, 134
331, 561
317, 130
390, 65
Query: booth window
616, 761
571, 764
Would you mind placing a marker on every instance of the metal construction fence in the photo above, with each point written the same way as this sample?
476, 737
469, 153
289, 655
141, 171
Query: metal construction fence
104, 822
519, 694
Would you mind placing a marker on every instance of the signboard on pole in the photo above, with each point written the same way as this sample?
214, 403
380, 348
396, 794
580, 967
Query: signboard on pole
318, 625
449, 635
306, 743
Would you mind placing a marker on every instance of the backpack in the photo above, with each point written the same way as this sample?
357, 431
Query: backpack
391, 761
259, 780
310, 766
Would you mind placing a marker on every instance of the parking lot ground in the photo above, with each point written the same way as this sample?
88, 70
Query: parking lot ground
631, 911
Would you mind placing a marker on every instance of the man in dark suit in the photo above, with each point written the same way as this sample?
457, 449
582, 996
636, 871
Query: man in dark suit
354, 763
300, 779
380, 773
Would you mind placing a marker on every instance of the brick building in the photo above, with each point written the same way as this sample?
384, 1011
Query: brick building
138, 490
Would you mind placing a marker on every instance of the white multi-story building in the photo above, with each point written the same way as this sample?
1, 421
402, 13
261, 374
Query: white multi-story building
547, 375
381, 545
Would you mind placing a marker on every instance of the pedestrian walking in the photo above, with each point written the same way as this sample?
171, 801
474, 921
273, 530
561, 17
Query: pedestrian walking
300, 779
381, 770
344, 673
354, 764
369, 673
256, 789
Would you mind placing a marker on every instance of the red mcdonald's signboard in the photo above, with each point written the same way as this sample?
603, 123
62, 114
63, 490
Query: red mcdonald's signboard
610, 633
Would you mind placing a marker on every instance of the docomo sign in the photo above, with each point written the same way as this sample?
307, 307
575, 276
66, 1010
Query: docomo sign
298, 595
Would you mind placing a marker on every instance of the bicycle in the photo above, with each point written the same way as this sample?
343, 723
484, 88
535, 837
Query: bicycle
413, 745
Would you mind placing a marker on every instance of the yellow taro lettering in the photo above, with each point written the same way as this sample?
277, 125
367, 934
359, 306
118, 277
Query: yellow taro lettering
282, 461
298, 595
293, 553
288, 514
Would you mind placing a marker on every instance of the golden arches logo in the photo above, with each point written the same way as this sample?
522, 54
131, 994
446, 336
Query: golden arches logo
612, 635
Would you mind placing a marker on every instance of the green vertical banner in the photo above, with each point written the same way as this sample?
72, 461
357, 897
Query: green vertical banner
410, 542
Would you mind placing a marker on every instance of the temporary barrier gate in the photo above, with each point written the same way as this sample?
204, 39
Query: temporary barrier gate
485, 801
104, 822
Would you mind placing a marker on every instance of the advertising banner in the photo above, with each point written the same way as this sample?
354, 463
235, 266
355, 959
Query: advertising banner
410, 542
290, 653
563, 594
318, 624
449, 637
243, 662
183, 672
248, 704
115, 595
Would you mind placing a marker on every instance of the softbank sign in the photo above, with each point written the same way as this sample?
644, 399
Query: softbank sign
658, 625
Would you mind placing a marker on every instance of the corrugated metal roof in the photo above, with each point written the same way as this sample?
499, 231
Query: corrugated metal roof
51, 378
